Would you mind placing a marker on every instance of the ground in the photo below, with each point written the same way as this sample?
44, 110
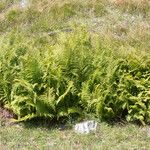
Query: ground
31, 136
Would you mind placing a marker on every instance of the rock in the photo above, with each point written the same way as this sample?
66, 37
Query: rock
85, 127
24, 3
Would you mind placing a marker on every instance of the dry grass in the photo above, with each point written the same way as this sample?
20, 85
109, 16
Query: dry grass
142, 6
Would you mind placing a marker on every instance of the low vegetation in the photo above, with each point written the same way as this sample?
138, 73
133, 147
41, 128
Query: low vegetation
102, 71
107, 137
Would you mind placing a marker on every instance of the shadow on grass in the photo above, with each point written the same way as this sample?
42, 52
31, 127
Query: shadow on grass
61, 124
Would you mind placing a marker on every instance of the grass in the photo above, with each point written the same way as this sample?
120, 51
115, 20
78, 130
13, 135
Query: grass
121, 21
29, 136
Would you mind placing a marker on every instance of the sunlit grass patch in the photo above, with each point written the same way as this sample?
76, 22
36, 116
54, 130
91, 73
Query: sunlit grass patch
106, 137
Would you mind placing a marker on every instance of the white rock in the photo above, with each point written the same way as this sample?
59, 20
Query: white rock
24, 3
85, 127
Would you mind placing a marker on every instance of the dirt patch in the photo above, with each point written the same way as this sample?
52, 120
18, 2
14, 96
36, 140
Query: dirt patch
5, 113
6, 116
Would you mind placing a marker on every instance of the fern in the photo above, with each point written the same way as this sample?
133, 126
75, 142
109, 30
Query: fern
77, 74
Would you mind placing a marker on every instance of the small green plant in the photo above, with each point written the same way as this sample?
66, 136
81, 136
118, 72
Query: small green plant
12, 15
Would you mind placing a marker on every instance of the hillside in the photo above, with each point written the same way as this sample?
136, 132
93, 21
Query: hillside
67, 61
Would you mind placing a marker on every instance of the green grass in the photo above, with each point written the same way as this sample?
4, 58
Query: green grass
107, 137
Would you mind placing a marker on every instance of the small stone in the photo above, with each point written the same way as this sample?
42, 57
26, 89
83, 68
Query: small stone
85, 127
24, 3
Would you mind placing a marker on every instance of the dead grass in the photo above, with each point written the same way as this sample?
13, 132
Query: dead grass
139, 6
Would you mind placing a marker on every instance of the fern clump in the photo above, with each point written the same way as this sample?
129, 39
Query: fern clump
121, 91
75, 74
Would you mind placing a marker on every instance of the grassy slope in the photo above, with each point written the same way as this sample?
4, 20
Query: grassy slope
123, 23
